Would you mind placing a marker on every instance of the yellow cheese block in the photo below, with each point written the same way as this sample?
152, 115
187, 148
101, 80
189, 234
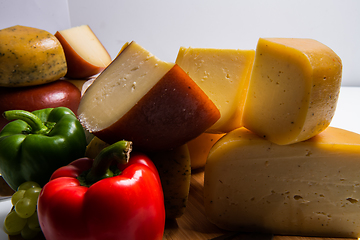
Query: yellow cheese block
30, 56
223, 74
310, 188
293, 90
95, 146
199, 148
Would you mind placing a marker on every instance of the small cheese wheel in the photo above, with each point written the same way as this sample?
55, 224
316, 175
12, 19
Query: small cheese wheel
30, 56
79, 83
223, 74
293, 90
175, 175
310, 188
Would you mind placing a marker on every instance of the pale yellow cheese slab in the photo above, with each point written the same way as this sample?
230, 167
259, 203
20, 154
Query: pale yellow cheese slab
310, 188
223, 74
293, 89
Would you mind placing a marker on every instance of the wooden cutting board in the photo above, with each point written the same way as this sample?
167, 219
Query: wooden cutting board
194, 225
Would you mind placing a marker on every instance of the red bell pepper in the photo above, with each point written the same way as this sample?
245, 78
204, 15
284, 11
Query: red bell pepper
86, 200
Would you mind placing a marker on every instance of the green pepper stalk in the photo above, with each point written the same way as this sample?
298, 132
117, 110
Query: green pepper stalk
119, 152
37, 143
35, 123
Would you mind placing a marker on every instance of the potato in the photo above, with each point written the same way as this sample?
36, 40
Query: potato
152, 103
50, 95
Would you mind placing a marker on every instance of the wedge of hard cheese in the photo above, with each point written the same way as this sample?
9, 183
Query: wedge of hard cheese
223, 74
310, 188
293, 89
152, 103
85, 54
175, 175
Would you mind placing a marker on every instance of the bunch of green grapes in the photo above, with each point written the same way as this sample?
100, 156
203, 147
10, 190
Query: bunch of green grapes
23, 218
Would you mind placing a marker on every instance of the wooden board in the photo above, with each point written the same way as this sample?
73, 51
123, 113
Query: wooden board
194, 225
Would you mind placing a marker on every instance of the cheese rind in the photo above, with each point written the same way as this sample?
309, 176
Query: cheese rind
310, 188
223, 74
30, 56
293, 90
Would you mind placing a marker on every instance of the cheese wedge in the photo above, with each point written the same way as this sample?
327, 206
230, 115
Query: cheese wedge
223, 74
85, 54
175, 175
143, 99
311, 188
293, 90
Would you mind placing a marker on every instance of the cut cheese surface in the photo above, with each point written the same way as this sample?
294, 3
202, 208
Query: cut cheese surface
30, 56
223, 74
310, 188
135, 64
85, 54
293, 90
87, 45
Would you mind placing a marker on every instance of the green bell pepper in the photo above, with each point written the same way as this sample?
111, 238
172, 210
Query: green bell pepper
37, 143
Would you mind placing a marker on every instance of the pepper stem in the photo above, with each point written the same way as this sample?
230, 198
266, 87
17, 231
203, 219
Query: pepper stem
119, 151
37, 126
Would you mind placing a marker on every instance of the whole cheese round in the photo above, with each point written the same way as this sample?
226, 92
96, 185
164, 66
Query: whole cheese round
30, 56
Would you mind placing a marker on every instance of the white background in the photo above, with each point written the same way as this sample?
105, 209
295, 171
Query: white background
162, 26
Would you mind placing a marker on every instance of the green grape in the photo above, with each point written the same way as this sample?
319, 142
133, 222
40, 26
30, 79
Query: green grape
32, 193
25, 207
13, 224
28, 185
17, 196
33, 222
23, 218
28, 233
10, 233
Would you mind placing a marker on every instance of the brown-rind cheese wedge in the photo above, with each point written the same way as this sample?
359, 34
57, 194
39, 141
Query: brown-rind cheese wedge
85, 54
152, 103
